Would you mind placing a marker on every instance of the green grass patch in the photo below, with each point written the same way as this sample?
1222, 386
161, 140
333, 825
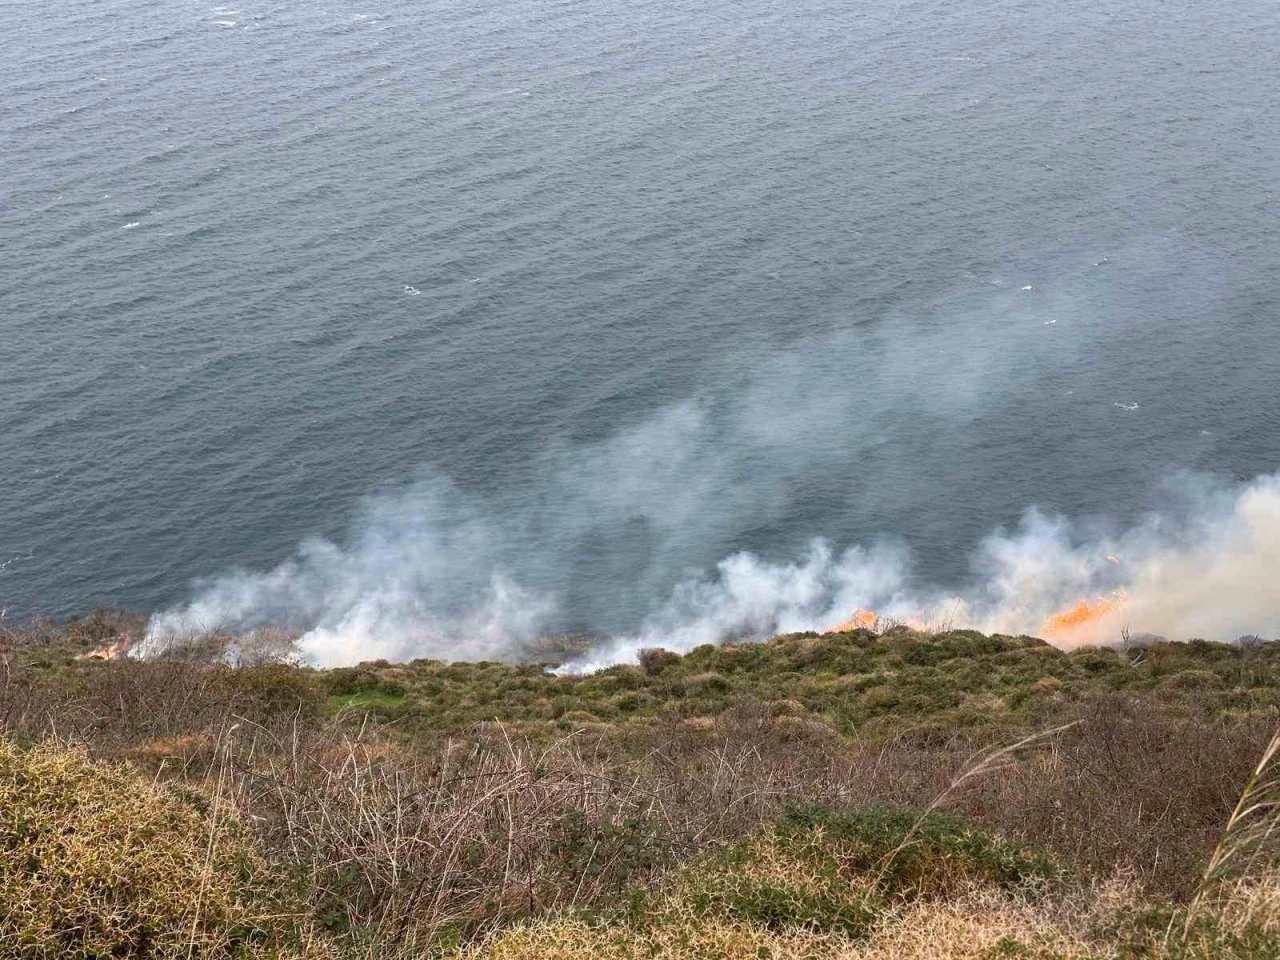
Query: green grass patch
378, 700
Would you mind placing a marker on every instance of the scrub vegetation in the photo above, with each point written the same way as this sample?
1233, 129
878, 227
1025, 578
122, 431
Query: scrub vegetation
854, 795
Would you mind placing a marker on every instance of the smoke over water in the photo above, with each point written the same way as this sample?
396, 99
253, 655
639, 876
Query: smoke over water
406, 588
1214, 574
895, 467
410, 584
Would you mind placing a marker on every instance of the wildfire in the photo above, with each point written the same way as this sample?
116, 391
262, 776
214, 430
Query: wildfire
114, 650
860, 620
1082, 614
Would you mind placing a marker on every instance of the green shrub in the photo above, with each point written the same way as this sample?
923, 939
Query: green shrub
348, 680
579, 717
606, 852
779, 886
915, 853
1192, 680
706, 683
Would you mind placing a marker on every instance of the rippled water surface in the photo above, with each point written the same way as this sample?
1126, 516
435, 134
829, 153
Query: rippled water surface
638, 284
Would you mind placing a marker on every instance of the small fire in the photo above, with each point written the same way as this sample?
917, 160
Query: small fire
114, 650
1083, 614
1112, 558
860, 620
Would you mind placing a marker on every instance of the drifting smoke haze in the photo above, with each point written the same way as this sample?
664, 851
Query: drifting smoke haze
439, 332
420, 578
1211, 574
411, 586
707, 520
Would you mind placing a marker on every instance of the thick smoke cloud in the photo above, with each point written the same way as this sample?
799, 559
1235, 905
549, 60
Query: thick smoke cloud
421, 577
696, 524
408, 589
1213, 573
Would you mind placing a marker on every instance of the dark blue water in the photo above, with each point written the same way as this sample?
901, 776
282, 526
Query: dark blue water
624, 288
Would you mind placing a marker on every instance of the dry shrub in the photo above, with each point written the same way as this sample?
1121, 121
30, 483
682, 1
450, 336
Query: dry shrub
1129, 787
694, 939
413, 843
653, 660
978, 926
95, 862
817, 884
810, 896
26, 703
1252, 835
128, 702
420, 839
468, 835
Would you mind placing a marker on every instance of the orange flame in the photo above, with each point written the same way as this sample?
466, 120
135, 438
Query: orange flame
112, 651
1082, 614
860, 620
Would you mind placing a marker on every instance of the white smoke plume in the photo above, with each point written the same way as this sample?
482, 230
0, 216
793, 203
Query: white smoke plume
1213, 572
751, 599
645, 537
409, 585
1214, 575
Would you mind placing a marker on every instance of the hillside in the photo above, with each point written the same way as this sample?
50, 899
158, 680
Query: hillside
848, 795
858, 682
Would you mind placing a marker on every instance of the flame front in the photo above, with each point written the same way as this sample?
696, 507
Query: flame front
111, 651
860, 620
1078, 618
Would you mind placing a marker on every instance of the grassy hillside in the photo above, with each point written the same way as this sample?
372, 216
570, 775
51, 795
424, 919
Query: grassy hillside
858, 682
850, 795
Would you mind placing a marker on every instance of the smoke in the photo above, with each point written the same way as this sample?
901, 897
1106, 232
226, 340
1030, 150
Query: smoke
421, 578
410, 586
750, 599
901, 446
1221, 579
1214, 573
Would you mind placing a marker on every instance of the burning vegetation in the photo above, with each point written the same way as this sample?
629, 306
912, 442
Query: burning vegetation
860, 620
1084, 622
117, 648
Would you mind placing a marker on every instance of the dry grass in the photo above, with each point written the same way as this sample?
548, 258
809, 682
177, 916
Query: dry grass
1081, 923
974, 929
95, 862
662, 836
570, 939
978, 922
977, 926
1253, 903
1251, 836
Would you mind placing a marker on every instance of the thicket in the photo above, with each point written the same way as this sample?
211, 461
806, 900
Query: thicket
753, 800
859, 682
